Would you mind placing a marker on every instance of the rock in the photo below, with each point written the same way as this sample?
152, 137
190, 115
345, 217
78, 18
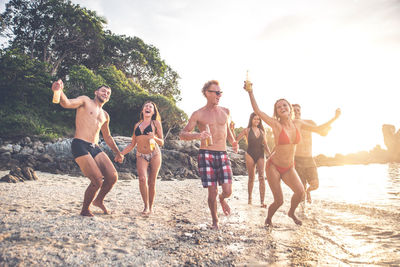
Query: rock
27, 141
46, 158
29, 173
6, 156
20, 175
16, 148
9, 179
6, 148
26, 150
17, 172
126, 176
392, 141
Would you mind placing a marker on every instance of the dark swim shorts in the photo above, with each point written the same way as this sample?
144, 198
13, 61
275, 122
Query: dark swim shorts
80, 148
214, 166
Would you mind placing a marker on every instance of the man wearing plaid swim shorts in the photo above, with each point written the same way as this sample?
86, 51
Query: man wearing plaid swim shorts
214, 165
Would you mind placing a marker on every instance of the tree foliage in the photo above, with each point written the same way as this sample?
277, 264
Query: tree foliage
63, 35
51, 39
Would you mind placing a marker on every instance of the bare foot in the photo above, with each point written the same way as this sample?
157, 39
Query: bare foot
225, 207
215, 226
268, 223
101, 206
146, 212
296, 221
250, 201
87, 213
263, 205
308, 197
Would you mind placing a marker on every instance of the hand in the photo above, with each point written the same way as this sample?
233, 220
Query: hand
119, 158
150, 135
235, 147
204, 135
58, 85
248, 86
338, 112
232, 126
325, 131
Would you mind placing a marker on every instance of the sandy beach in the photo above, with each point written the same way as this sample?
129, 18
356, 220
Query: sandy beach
40, 225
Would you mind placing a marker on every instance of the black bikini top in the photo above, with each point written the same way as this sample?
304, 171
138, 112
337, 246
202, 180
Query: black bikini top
147, 130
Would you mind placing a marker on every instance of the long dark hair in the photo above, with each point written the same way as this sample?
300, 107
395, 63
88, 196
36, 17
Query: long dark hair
260, 125
156, 115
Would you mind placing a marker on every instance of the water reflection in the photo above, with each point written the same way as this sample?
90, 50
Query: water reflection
393, 186
353, 219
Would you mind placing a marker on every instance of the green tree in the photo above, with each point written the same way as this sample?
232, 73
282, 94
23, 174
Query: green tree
55, 31
142, 63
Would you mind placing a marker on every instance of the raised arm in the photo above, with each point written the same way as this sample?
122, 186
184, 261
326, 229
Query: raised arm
105, 131
267, 119
64, 101
322, 129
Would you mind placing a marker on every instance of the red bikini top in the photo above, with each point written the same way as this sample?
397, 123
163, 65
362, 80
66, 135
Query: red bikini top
285, 140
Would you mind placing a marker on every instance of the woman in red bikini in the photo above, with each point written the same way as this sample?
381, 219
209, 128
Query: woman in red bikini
148, 136
280, 165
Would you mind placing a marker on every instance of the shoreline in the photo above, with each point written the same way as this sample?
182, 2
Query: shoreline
40, 225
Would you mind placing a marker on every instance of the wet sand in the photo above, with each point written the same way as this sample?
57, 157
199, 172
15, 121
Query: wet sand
40, 225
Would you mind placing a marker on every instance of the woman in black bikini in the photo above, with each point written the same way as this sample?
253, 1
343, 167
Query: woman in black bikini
257, 144
148, 136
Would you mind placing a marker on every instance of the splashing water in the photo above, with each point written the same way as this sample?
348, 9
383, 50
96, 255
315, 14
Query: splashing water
353, 219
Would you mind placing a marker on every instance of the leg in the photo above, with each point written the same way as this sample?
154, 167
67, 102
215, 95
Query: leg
251, 172
302, 173
141, 165
212, 204
261, 180
313, 182
90, 169
155, 164
293, 181
226, 192
110, 178
274, 182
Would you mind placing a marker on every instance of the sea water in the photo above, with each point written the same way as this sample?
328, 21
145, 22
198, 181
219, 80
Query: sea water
353, 220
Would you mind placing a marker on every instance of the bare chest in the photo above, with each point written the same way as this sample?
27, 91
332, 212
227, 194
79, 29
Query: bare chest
219, 118
92, 115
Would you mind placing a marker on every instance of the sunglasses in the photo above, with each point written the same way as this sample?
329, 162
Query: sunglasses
218, 93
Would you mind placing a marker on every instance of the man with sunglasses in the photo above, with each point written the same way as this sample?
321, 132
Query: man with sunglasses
214, 164
93, 162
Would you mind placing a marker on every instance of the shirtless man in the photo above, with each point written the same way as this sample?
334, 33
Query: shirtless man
93, 162
213, 161
305, 164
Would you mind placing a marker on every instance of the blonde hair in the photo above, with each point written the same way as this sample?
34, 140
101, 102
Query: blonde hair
207, 85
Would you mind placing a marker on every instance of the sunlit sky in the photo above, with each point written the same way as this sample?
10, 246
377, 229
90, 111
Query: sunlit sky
322, 54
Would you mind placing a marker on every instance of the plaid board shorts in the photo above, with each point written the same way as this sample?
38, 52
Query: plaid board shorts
214, 166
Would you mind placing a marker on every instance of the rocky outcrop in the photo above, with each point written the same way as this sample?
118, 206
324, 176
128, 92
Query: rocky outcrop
179, 158
392, 141
19, 175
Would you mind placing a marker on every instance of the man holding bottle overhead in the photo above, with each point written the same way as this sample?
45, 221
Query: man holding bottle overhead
214, 164
93, 162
